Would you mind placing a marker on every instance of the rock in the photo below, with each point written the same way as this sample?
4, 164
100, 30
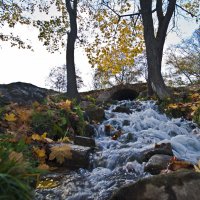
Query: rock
163, 148
126, 122
90, 130
80, 157
143, 94
180, 185
22, 93
94, 113
157, 163
122, 109
84, 141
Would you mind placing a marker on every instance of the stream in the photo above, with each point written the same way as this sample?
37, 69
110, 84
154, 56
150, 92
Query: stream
115, 161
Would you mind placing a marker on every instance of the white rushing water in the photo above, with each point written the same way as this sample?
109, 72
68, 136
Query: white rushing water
115, 160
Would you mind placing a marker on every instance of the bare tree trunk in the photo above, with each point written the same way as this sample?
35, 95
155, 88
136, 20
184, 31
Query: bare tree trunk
72, 90
154, 44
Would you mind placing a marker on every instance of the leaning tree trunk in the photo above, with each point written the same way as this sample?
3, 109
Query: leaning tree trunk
154, 44
72, 90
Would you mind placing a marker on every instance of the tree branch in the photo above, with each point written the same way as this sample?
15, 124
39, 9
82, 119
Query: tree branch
192, 15
159, 10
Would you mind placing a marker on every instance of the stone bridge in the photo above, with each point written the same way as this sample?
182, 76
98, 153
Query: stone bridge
121, 92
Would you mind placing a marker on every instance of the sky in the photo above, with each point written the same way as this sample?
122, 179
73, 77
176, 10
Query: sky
34, 67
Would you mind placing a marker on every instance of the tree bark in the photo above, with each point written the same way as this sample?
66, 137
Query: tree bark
154, 44
72, 91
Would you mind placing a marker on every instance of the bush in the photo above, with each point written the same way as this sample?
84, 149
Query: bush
16, 170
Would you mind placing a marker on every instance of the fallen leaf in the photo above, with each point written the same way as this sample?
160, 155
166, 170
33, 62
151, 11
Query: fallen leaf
176, 165
15, 156
44, 135
65, 105
10, 117
41, 153
47, 184
48, 140
43, 167
35, 136
60, 153
64, 139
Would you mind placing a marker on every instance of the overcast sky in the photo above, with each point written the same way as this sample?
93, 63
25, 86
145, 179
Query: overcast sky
34, 67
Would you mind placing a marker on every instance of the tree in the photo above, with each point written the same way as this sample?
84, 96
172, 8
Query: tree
51, 30
154, 33
114, 48
57, 79
185, 58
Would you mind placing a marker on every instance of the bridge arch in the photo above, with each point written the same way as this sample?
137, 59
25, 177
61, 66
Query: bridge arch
124, 94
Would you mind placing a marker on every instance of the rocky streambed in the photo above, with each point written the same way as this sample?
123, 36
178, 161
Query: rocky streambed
134, 141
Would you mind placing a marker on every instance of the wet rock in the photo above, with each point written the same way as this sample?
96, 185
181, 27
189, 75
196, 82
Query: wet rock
181, 185
84, 141
130, 137
157, 163
126, 123
122, 109
80, 157
90, 130
22, 93
163, 148
94, 113
172, 133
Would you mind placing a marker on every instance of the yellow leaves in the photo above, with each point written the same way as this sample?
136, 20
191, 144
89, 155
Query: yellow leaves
66, 105
41, 153
47, 184
64, 139
37, 137
197, 167
10, 117
173, 106
60, 153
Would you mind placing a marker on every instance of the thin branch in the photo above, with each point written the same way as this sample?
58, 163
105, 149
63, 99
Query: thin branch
192, 15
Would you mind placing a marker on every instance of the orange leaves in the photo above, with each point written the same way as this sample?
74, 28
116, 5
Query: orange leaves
176, 165
60, 153
185, 109
15, 156
66, 105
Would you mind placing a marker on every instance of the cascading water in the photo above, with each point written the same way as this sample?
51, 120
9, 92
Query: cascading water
115, 161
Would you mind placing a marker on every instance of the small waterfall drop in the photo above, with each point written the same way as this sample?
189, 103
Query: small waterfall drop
115, 162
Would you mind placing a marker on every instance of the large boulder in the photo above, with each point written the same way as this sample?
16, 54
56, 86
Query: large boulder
22, 93
84, 141
94, 113
80, 156
163, 148
157, 163
180, 185
122, 109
